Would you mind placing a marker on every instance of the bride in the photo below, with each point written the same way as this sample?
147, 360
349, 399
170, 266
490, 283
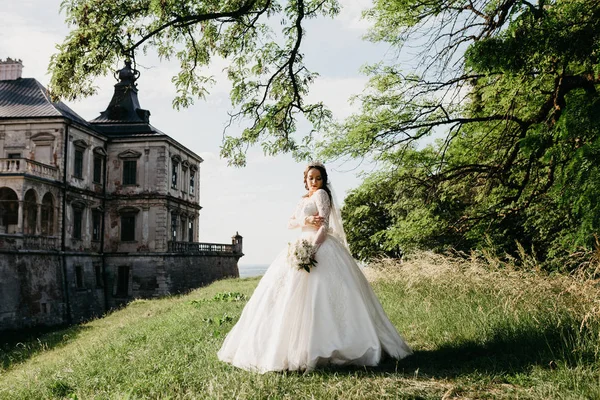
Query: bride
297, 320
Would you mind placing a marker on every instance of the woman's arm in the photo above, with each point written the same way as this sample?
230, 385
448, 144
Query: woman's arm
324, 207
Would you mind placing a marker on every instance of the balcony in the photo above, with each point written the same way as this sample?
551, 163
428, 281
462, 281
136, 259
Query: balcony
195, 247
28, 167
28, 242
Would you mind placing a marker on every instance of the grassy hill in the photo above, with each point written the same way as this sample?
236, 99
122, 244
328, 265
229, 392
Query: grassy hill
478, 331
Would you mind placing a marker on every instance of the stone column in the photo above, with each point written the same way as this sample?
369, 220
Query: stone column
38, 220
145, 225
20, 218
146, 172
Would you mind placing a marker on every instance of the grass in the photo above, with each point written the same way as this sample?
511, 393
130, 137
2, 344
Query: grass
478, 331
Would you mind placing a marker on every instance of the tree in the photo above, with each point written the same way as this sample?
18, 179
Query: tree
269, 78
510, 87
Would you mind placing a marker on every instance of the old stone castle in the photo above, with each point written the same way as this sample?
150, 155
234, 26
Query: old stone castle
94, 213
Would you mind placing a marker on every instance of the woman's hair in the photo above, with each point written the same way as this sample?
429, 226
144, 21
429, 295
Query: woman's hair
323, 172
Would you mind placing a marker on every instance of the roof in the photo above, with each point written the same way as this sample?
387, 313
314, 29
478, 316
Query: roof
120, 129
26, 98
124, 116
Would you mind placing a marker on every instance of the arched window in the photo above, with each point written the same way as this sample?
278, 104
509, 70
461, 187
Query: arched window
9, 210
30, 212
48, 215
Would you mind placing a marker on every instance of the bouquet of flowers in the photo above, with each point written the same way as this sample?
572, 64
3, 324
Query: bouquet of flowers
301, 254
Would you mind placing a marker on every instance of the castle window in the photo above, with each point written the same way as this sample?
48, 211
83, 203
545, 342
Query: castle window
9, 210
190, 230
30, 212
77, 223
192, 179
43, 153
78, 163
183, 227
14, 156
174, 174
129, 172
96, 225
98, 271
48, 215
123, 281
127, 227
97, 169
174, 226
79, 277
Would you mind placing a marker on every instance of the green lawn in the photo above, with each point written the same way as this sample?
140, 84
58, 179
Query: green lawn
477, 332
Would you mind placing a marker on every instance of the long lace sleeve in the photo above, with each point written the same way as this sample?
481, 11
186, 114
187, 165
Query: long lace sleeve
324, 207
295, 222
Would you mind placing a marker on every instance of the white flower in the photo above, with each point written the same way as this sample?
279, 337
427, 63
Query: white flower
301, 254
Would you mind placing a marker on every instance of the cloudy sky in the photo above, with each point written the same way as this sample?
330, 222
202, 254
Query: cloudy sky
256, 200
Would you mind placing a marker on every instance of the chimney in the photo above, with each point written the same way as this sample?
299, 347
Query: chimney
10, 69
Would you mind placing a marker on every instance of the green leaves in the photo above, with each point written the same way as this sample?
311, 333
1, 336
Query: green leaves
510, 91
269, 78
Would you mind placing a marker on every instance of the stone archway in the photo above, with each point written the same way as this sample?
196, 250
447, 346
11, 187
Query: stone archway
30, 212
9, 210
47, 215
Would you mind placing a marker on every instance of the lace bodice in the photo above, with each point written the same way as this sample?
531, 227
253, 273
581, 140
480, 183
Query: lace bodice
318, 203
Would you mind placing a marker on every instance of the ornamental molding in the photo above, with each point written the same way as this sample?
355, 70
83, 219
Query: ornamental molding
128, 210
130, 154
43, 137
82, 144
100, 151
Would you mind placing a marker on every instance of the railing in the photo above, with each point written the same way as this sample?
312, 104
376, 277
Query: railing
28, 242
24, 165
40, 243
195, 247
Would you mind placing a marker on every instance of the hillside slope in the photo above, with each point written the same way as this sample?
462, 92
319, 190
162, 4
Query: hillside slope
478, 332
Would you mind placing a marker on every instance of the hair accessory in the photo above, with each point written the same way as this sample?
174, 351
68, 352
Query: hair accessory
316, 163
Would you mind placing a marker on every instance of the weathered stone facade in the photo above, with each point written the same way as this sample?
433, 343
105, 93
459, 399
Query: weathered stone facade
94, 214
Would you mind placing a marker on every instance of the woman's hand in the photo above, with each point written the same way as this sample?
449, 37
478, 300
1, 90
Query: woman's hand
314, 220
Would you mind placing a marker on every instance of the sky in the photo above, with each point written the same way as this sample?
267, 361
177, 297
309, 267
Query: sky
256, 200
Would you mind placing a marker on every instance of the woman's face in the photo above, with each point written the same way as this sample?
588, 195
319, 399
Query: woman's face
314, 180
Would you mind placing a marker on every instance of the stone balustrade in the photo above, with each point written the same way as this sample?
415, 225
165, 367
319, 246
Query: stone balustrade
28, 242
26, 166
195, 247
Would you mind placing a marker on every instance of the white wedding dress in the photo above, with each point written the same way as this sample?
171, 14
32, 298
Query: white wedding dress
297, 320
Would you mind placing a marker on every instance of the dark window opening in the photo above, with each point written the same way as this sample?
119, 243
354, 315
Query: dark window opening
97, 169
9, 210
128, 228
191, 230
96, 225
79, 277
174, 227
174, 175
130, 172
47, 215
30, 210
13, 156
183, 228
99, 279
192, 178
78, 165
123, 281
77, 223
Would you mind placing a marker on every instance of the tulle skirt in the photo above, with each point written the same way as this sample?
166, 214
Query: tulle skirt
297, 320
